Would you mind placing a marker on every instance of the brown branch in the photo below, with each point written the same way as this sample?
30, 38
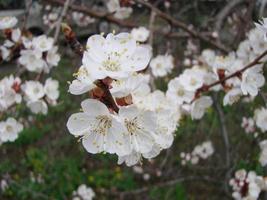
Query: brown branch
168, 184
96, 14
183, 26
256, 61
63, 14
224, 131
76, 46
130, 24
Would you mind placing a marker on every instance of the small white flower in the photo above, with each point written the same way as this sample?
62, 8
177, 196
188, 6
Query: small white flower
262, 25
5, 53
32, 60
115, 56
43, 43
252, 80
140, 127
208, 56
140, 34
38, 107
113, 5
84, 192
199, 107
248, 124
84, 82
8, 95
100, 130
123, 87
15, 35
177, 92
7, 22
192, 79
232, 96
51, 89
263, 157
130, 159
260, 116
81, 19
3, 185
53, 57
257, 41
33, 90
9, 130
123, 12
161, 65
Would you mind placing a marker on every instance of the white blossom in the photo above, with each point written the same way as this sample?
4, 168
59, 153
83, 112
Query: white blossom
199, 107
140, 126
9, 130
232, 96
83, 193
42, 43
38, 107
252, 80
262, 25
32, 60
115, 56
100, 130
51, 89
81, 19
260, 116
7, 22
178, 93
33, 90
140, 34
161, 65
8, 93
53, 57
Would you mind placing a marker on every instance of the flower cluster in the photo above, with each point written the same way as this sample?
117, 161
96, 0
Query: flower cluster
145, 121
83, 193
7, 22
114, 6
39, 55
37, 95
36, 54
51, 16
247, 185
161, 65
81, 19
202, 151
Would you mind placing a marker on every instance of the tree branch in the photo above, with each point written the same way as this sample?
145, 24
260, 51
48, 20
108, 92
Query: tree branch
256, 61
183, 26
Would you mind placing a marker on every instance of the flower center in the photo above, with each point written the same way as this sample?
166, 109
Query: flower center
193, 81
180, 92
102, 125
111, 65
132, 125
36, 90
9, 128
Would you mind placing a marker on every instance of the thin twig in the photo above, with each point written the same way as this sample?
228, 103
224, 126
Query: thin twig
183, 26
256, 61
220, 18
224, 131
59, 21
130, 24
